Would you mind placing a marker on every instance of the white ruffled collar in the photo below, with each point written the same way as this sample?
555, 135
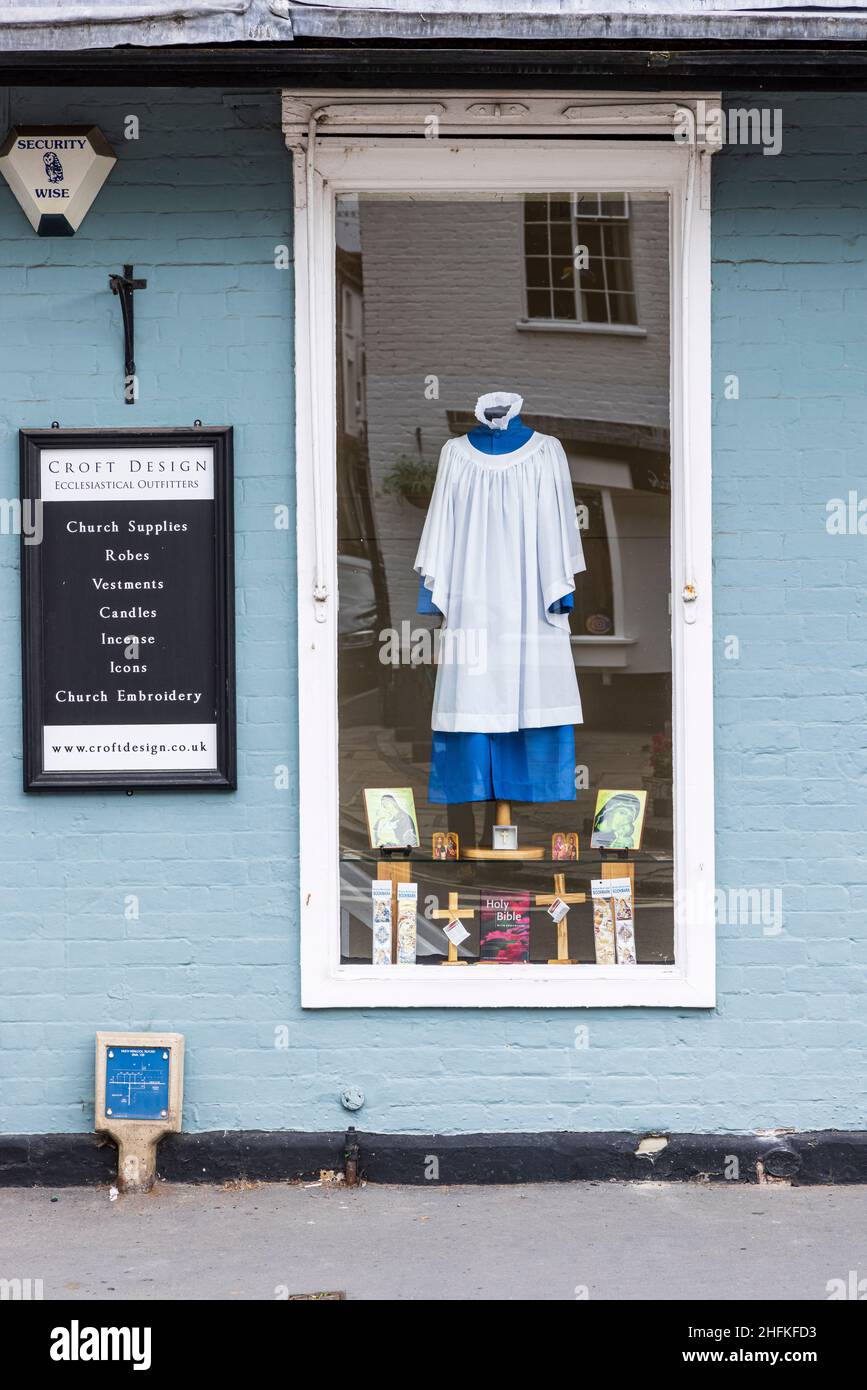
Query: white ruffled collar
507, 398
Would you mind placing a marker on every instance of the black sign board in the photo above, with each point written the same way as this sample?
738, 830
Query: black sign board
128, 608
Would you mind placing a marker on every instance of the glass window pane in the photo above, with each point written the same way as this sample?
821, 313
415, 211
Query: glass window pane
538, 271
622, 308
430, 294
587, 204
594, 306
562, 239
539, 304
564, 304
536, 241
593, 278
618, 274
589, 234
616, 237
562, 273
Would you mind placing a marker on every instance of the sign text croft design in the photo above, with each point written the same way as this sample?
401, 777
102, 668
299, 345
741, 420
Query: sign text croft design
128, 609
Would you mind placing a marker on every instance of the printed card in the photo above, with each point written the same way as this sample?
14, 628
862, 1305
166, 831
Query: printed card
407, 898
456, 932
381, 892
624, 920
603, 921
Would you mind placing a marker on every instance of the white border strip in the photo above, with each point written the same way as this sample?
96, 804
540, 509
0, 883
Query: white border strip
454, 166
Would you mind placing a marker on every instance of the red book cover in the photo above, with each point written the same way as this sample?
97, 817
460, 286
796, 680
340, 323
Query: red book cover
504, 928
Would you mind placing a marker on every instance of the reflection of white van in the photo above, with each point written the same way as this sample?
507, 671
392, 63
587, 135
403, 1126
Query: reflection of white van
357, 626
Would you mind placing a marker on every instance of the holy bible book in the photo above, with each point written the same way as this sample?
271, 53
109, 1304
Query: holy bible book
504, 933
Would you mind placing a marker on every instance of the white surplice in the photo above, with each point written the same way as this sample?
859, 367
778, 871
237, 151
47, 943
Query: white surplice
500, 545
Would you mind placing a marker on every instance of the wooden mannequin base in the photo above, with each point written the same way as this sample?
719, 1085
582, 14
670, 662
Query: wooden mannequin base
558, 961
454, 962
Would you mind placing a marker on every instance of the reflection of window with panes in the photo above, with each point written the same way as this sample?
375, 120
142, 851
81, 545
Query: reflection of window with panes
352, 360
577, 258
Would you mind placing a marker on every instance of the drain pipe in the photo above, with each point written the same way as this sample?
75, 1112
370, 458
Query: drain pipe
351, 1157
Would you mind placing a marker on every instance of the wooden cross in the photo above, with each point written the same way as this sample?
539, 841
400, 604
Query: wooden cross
454, 914
620, 868
545, 900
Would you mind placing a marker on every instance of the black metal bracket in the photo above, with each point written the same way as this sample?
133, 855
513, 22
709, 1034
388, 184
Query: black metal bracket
124, 286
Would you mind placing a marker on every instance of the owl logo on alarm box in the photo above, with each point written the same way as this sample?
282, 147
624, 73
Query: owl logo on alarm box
53, 167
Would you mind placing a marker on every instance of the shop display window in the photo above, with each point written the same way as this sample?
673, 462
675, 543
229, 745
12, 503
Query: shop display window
508, 669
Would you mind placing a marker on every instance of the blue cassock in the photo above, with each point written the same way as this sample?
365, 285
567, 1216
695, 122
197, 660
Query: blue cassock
527, 765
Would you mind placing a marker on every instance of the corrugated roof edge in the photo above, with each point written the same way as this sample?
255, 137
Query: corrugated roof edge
50, 28
745, 26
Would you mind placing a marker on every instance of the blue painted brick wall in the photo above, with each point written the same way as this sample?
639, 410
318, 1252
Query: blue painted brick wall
198, 203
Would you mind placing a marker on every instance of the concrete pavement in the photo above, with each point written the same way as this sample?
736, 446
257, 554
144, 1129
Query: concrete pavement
557, 1242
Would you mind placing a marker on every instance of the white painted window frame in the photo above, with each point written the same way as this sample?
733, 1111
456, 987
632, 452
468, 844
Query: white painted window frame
357, 163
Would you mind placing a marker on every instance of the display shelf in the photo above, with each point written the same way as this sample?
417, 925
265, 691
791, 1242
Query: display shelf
588, 857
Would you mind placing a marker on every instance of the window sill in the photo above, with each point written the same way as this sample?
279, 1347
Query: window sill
503, 986
602, 653
622, 330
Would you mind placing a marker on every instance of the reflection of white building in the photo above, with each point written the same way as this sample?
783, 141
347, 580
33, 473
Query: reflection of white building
564, 300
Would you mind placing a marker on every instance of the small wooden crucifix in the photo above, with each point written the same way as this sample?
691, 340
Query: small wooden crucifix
454, 914
545, 900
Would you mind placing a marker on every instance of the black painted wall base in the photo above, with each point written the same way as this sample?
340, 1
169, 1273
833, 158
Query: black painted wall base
824, 1156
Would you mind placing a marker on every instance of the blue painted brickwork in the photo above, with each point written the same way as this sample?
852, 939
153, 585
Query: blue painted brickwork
198, 204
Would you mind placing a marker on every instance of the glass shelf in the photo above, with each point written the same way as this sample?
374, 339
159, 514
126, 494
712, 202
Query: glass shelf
588, 857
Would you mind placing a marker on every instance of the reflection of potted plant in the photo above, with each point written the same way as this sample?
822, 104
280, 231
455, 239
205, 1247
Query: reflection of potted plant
412, 479
661, 773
